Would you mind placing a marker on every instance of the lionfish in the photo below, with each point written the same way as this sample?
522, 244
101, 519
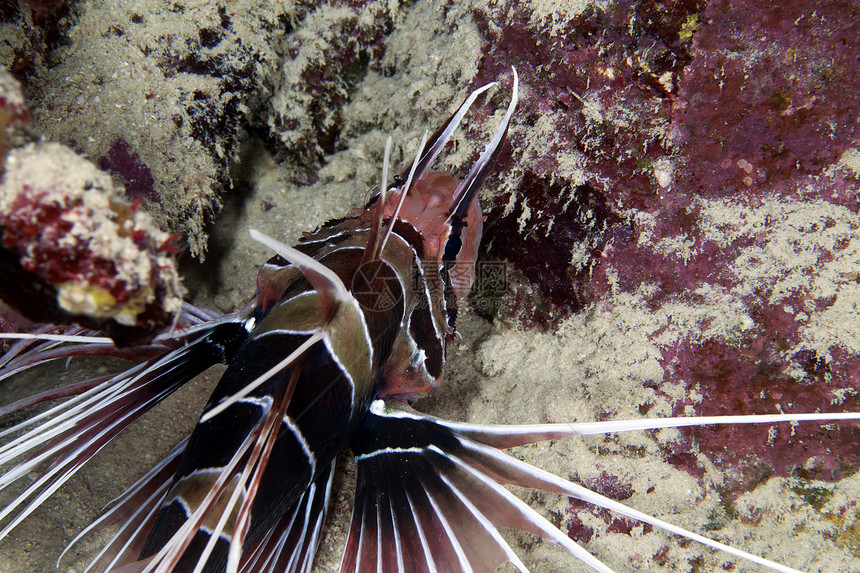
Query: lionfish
346, 330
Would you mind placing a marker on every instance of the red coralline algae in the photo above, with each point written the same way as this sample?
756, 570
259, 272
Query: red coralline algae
560, 283
70, 247
769, 96
73, 249
755, 379
693, 155
598, 97
776, 358
610, 486
124, 162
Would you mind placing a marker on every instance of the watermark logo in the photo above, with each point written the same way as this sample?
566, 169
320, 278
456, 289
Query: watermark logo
379, 289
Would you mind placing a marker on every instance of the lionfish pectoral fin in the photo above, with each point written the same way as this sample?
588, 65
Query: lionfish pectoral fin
55, 444
291, 545
424, 504
477, 449
433, 490
134, 512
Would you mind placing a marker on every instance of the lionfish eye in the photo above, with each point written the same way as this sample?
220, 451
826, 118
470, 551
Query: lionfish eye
454, 242
452, 247
372, 201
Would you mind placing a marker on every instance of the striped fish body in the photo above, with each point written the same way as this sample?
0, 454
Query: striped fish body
347, 328
322, 394
367, 315
401, 296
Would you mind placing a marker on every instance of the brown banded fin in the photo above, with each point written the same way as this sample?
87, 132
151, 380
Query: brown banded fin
326, 283
446, 496
432, 510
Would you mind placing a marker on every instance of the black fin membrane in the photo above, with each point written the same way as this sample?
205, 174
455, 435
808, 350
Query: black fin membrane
427, 501
429, 493
289, 547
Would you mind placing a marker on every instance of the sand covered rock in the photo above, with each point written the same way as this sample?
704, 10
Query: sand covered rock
676, 213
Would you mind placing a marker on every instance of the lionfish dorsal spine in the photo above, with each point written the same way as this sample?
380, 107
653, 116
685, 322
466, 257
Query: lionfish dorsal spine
470, 184
442, 135
405, 191
370, 249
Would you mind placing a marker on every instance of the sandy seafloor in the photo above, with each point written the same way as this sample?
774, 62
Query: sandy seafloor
496, 373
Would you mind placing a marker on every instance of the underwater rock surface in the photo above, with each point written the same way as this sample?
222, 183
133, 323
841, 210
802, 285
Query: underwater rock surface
676, 211
72, 247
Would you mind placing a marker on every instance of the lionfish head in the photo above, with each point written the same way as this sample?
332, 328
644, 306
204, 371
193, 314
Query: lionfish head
450, 229
445, 211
